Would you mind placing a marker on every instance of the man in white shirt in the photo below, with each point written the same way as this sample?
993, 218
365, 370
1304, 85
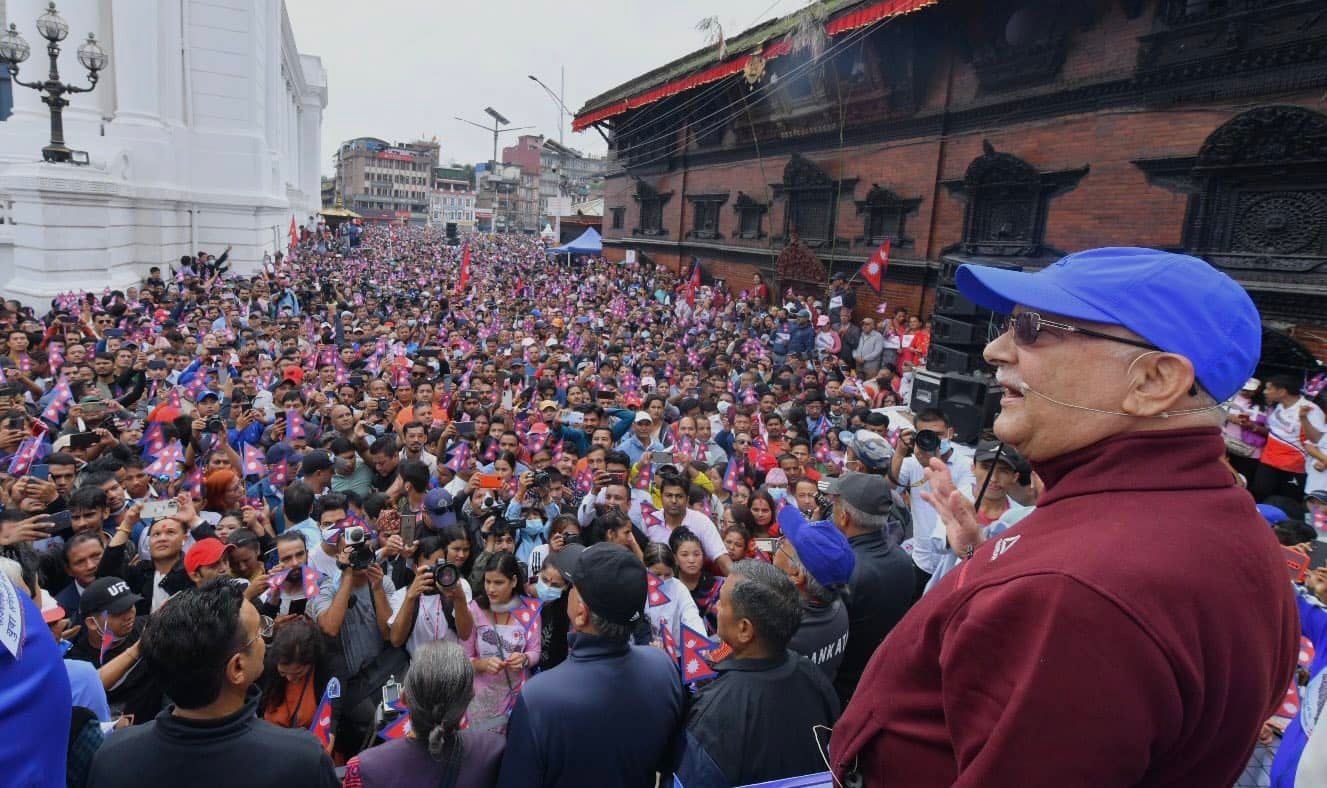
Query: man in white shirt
1293, 422
932, 437
676, 514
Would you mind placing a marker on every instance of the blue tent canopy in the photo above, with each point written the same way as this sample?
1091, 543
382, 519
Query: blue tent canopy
588, 243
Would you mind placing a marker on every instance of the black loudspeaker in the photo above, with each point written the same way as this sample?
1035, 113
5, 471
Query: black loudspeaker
971, 402
925, 390
959, 328
451, 233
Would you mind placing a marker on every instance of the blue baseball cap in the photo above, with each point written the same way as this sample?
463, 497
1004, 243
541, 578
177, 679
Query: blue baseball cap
1274, 515
1176, 302
821, 547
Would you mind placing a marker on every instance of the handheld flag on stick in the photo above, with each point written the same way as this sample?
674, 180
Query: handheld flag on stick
322, 716
253, 463
694, 667
874, 269
397, 730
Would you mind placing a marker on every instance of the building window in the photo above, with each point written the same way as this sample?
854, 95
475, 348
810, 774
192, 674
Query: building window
705, 211
812, 201
619, 217
651, 209
885, 213
750, 216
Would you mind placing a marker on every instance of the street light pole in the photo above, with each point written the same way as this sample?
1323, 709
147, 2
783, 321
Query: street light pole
14, 50
559, 98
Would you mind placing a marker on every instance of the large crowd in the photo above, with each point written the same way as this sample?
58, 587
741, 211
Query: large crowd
393, 510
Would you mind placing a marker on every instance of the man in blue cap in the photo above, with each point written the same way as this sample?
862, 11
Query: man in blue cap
1082, 646
818, 559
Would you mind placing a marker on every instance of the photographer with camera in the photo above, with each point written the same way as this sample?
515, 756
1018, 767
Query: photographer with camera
532, 509
352, 609
435, 605
930, 440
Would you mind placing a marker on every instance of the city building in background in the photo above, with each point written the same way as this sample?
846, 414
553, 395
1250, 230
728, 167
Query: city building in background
563, 176
497, 202
1004, 133
203, 131
382, 181
452, 198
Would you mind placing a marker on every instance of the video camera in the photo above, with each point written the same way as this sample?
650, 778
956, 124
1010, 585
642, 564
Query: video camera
361, 553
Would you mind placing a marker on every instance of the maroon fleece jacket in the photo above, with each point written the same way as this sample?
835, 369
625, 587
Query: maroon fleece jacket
1135, 630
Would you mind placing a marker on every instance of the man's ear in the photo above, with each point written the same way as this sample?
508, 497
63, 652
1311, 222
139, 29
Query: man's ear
1159, 382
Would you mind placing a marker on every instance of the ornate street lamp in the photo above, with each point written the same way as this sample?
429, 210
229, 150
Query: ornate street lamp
53, 28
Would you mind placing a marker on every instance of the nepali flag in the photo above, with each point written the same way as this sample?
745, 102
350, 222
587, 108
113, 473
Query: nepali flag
733, 475
465, 269
528, 613
644, 477
694, 667
655, 595
874, 269
649, 516
55, 354
193, 482
107, 638
279, 473
322, 716
823, 453
55, 411
166, 466
684, 450
28, 451
460, 456
693, 281
584, 480
669, 643
195, 387
253, 463
25, 363
491, 452
153, 440
294, 424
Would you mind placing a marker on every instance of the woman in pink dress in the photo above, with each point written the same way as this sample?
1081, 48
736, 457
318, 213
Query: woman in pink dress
503, 645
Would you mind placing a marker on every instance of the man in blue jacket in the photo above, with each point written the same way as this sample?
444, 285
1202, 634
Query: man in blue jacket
611, 714
803, 335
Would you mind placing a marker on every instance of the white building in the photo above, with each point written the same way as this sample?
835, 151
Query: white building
203, 131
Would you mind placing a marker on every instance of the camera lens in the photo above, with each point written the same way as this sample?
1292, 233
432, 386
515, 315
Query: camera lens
446, 575
928, 440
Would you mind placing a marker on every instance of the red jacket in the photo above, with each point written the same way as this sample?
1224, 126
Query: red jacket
1135, 630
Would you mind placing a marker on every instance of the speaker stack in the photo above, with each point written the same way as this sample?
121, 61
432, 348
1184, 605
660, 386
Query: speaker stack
956, 378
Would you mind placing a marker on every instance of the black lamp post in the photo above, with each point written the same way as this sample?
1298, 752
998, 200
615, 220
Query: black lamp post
14, 50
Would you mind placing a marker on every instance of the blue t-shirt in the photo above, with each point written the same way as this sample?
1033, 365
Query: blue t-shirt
35, 705
1312, 625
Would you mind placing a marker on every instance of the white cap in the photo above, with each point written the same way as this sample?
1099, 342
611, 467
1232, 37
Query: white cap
642, 416
1251, 384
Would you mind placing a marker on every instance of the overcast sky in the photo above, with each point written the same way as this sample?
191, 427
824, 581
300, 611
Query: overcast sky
401, 69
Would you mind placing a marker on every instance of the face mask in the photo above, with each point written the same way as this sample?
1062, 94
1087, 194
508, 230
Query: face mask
944, 446
546, 592
534, 524
777, 493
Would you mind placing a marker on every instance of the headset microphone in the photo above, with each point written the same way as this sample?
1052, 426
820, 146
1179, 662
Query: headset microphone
1026, 389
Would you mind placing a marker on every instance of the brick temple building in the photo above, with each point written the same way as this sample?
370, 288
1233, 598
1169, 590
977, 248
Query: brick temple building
1006, 132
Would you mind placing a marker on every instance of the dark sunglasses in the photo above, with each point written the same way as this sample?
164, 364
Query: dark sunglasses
1027, 325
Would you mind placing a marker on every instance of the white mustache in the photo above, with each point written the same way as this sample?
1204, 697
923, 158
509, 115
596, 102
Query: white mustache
1003, 381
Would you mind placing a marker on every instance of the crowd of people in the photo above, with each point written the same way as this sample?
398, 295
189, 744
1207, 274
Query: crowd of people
390, 511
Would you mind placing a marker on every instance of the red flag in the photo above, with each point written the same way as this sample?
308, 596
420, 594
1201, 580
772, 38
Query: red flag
732, 475
293, 239
465, 269
397, 730
655, 594
694, 667
253, 464
874, 269
322, 717
693, 282
279, 474
666, 635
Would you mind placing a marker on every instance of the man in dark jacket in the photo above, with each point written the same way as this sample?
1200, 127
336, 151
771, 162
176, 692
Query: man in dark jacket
802, 337
161, 578
611, 713
207, 645
757, 721
883, 581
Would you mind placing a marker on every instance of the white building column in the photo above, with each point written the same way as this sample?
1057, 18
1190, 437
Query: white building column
136, 61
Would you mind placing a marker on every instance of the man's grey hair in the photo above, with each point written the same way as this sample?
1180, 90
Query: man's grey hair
438, 688
609, 630
766, 597
864, 520
814, 589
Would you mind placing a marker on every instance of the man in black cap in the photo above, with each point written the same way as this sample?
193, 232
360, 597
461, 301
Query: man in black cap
611, 713
316, 470
881, 588
108, 605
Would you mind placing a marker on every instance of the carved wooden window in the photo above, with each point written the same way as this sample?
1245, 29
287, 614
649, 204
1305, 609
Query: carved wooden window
619, 218
812, 198
750, 216
705, 214
651, 209
1007, 204
885, 213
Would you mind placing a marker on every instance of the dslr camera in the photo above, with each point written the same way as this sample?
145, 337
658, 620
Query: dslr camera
928, 441
361, 553
445, 576
542, 479
215, 425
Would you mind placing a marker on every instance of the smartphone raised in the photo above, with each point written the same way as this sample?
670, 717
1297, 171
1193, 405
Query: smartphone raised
42, 472
465, 429
488, 481
155, 510
83, 440
408, 521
